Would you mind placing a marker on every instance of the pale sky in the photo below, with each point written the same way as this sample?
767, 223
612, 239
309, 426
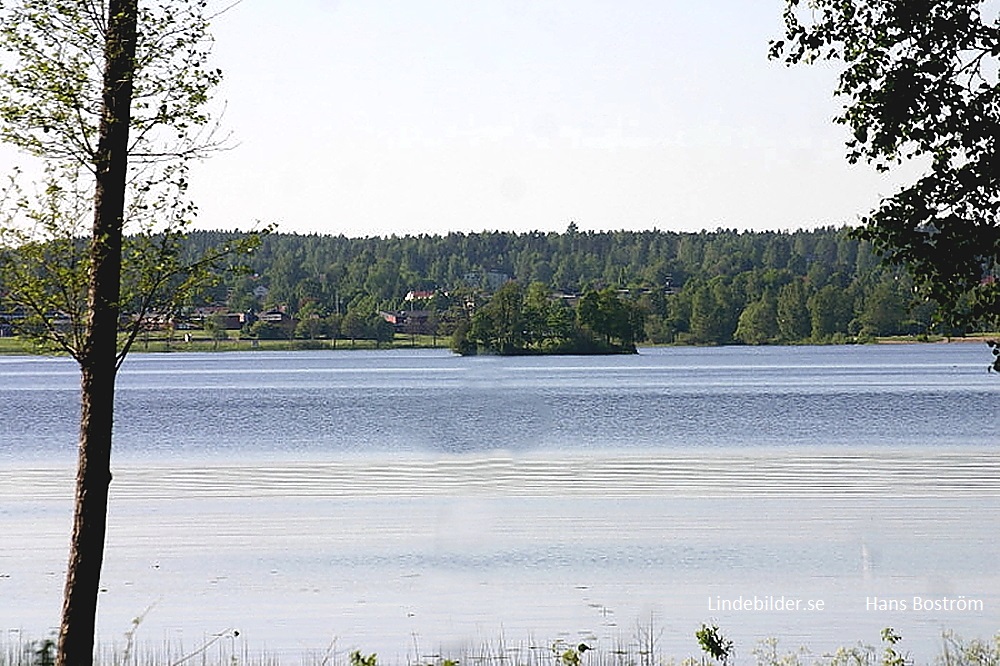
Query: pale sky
378, 117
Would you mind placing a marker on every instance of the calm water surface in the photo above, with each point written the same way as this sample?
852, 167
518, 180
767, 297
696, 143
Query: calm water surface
409, 502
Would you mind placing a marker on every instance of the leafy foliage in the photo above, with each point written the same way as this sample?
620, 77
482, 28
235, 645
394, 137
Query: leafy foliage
359, 659
509, 323
714, 644
570, 656
920, 82
51, 98
51, 108
890, 655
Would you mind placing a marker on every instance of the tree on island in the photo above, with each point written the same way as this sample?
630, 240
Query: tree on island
499, 325
111, 98
920, 83
513, 322
619, 323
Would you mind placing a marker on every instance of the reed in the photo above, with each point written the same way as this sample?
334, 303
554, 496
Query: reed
227, 649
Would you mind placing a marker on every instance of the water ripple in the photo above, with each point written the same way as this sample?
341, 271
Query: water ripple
899, 473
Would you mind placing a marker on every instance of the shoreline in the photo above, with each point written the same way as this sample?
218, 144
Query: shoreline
13, 346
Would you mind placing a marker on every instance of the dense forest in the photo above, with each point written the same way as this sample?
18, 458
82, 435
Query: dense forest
719, 287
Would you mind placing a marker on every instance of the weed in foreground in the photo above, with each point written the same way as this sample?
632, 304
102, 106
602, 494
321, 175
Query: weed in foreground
226, 649
714, 644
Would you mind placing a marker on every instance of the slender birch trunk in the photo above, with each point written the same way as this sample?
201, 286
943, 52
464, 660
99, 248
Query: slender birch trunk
99, 357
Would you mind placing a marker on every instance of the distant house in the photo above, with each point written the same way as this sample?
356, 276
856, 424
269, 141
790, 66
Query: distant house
155, 321
418, 295
394, 318
567, 297
275, 316
203, 313
210, 310
408, 321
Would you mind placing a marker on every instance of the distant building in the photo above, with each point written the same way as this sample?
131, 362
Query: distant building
409, 321
418, 295
232, 321
567, 297
275, 316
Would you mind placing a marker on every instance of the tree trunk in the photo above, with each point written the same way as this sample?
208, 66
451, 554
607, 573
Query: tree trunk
99, 356
76, 633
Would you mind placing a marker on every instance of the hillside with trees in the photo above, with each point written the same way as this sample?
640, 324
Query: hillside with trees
708, 288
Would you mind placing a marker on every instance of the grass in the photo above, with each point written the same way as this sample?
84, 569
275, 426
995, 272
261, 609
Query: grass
16, 346
199, 342
228, 649
982, 338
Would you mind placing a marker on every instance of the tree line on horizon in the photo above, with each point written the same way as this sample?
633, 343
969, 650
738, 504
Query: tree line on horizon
718, 287
713, 287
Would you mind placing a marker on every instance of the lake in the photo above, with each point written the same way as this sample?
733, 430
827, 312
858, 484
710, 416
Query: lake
412, 503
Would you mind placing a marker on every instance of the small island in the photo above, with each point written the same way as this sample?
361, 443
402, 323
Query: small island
519, 322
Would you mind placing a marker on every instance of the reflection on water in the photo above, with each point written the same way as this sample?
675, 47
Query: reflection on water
405, 503
458, 549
